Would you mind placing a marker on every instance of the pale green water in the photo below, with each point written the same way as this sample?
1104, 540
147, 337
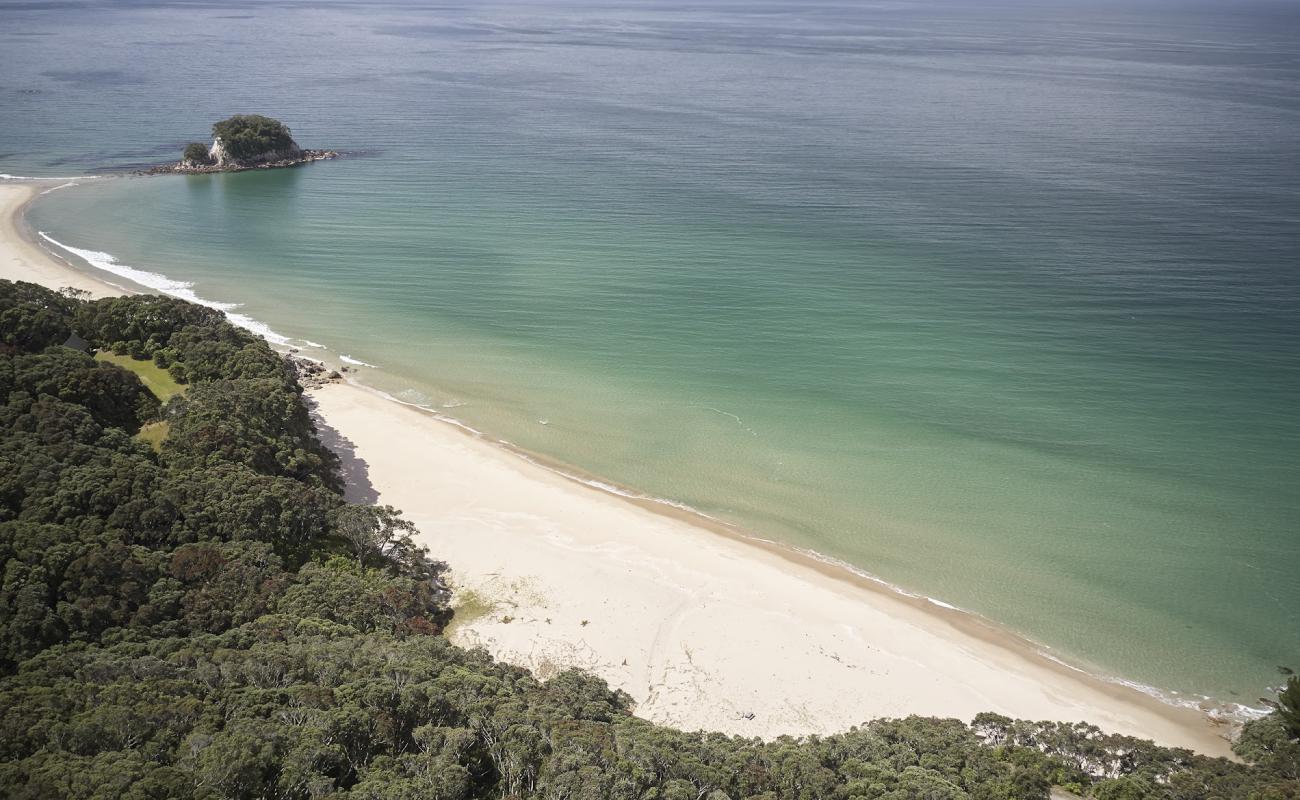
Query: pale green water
998, 304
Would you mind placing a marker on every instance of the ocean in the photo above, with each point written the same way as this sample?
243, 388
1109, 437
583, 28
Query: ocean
996, 302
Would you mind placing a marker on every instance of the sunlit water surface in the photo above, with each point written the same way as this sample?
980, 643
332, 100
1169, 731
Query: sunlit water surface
995, 302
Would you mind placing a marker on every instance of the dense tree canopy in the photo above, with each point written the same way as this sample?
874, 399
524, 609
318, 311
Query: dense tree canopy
213, 620
251, 135
33, 318
196, 153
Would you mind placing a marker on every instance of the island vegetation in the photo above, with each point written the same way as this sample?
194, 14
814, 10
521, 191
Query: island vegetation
252, 137
241, 142
197, 154
212, 619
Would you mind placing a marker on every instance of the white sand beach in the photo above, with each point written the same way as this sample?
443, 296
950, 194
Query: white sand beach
703, 628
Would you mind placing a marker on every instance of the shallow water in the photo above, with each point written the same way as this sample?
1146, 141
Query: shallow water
996, 303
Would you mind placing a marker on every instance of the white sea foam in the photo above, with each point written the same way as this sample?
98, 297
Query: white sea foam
620, 491
4, 176
357, 362
310, 343
168, 286
425, 409
415, 397
1233, 712
61, 186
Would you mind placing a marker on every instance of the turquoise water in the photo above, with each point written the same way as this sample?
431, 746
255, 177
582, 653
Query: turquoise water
998, 303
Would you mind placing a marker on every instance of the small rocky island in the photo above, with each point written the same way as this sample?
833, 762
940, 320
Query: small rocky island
244, 141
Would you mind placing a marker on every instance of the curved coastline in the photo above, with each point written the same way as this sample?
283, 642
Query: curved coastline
23, 257
358, 414
963, 620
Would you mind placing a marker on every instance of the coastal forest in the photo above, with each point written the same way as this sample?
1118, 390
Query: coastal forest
191, 609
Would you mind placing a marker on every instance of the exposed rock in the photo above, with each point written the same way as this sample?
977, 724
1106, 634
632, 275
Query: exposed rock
311, 374
192, 168
221, 158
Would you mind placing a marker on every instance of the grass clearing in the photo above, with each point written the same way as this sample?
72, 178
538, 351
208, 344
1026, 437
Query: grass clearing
467, 606
154, 377
154, 433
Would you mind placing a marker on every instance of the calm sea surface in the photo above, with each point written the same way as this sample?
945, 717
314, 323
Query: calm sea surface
996, 301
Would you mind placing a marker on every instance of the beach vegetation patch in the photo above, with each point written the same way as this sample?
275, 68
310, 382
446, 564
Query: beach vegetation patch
468, 606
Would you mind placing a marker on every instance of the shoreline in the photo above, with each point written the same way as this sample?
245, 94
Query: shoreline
1221, 716
21, 255
703, 658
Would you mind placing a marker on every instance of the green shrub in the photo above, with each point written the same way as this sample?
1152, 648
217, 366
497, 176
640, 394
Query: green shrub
197, 153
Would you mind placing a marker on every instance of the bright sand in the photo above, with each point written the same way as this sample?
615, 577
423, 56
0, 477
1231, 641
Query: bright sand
702, 627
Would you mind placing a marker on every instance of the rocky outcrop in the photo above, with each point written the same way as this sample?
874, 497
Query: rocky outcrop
311, 374
275, 161
244, 141
220, 158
